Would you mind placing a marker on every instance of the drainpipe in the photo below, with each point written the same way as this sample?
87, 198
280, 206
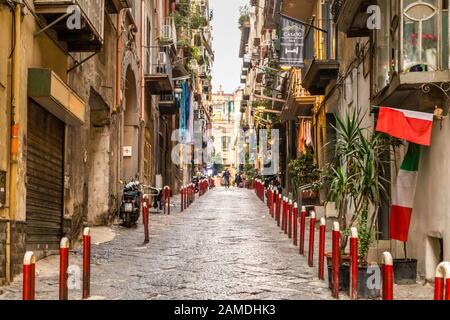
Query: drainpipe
118, 100
14, 145
119, 61
142, 64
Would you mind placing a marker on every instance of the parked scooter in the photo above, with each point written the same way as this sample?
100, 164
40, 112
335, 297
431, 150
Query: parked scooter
130, 208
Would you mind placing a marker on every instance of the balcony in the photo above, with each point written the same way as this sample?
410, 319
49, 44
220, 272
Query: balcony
351, 16
419, 78
320, 66
300, 103
271, 11
167, 105
85, 37
114, 6
319, 74
168, 33
158, 75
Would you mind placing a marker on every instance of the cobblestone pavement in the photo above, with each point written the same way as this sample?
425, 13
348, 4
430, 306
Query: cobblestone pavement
225, 246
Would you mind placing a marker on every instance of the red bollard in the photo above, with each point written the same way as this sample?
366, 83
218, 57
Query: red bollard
167, 199
63, 266
312, 229
181, 199
145, 218
278, 213
290, 219
442, 282
283, 215
388, 276
29, 276
354, 264
295, 224
164, 199
323, 227
87, 262
273, 196
302, 230
336, 259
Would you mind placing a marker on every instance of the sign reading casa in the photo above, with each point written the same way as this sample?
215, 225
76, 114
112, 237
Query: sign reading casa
292, 42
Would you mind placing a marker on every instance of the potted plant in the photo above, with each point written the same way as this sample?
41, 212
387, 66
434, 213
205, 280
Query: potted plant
357, 186
304, 173
405, 270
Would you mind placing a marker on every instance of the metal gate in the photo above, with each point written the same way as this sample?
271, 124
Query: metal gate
45, 178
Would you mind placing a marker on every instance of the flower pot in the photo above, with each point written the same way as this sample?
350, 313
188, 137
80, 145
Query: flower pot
344, 277
309, 194
405, 271
344, 273
364, 279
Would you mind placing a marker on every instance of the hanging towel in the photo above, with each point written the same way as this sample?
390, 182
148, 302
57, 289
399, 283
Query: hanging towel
301, 137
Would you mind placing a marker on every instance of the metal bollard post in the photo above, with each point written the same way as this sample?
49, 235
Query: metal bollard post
322, 233
336, 259
312, 229
278, 213
354, 264
295, 224
29, 276
272, 197
442, 282
63, 266
86, 263
182, 198
164, 199
302, 230
145, 218
290, 219
168, 200
388, 276
283, 215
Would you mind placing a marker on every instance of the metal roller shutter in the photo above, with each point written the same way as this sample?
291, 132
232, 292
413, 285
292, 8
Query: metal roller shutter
45, 178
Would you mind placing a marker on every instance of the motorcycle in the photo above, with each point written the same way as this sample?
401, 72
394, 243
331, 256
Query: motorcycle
130, 208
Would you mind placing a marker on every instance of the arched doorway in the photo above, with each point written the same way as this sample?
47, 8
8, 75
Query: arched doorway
130, 163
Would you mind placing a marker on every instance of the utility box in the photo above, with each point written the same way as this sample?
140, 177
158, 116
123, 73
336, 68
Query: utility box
2, 189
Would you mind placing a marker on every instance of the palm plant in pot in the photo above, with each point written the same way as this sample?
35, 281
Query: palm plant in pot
358, 187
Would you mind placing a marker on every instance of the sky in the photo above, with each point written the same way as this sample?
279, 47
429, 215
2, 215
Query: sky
226, 42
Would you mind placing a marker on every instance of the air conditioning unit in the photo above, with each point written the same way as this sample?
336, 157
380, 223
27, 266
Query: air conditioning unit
162, 58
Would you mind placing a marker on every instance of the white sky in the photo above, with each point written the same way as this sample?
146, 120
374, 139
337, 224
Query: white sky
226, 42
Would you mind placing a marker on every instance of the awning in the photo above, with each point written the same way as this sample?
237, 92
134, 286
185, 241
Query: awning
47, 89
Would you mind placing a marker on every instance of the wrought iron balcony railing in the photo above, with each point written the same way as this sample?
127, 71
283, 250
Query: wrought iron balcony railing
336, 8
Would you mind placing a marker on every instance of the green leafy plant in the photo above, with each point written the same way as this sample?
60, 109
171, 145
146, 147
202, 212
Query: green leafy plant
358, 181
244, 16
198, 21
303, 173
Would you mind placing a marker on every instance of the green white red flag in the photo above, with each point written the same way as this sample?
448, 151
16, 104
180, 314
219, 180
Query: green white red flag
409, 125
403, 197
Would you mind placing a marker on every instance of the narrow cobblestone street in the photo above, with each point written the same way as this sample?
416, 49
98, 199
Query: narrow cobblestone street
223, 247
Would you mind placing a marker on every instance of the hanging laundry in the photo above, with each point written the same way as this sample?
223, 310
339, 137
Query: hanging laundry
301, 140
308, 136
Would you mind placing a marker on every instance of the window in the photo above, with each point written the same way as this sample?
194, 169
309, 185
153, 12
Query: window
382, 50
425, 35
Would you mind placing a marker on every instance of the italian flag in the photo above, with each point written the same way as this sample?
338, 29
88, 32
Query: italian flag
403, 197
409, 125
